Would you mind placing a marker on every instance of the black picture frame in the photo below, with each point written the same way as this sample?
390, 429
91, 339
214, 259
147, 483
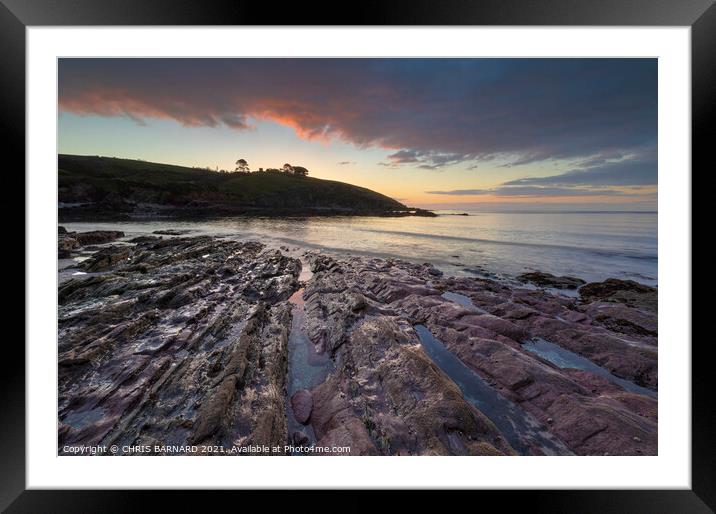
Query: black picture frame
17, 15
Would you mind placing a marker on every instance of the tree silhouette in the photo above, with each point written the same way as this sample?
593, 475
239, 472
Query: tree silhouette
287, 168
300, 170
242, 166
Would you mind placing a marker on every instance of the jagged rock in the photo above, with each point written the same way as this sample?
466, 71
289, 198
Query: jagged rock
542, 279
171, 232
300, 439
186, 339
390, 398
590, 415
621, 291
65, 245
145, 239
623, 319
107, 258
97, 236
302, 404
161, 348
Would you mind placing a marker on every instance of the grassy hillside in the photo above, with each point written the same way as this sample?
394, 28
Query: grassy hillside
89, 184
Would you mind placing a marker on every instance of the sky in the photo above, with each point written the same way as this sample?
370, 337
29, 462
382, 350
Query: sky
435, 133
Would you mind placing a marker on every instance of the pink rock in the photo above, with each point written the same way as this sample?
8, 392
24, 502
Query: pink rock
623, 319
302, 405
499, 326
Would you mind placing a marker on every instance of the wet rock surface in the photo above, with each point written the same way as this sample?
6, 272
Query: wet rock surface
364, 310
184, 341
97, 236
176, 342
626, 292
172, 232
548, 280
302, 404
69, 241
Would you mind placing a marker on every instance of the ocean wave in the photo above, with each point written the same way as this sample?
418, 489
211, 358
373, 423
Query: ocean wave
547, 246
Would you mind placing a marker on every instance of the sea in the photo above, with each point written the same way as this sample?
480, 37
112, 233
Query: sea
590, 245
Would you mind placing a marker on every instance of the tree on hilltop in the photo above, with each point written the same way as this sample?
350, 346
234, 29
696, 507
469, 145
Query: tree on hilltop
242, 166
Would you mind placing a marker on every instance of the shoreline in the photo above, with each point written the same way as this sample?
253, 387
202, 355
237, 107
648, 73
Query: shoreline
198, 325
451, 254
213, 212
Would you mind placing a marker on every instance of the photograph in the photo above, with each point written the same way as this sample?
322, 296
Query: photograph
387, 256
416, 247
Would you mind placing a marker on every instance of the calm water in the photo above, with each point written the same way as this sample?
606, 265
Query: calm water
593, 246
565, 359
306, 367
522, 430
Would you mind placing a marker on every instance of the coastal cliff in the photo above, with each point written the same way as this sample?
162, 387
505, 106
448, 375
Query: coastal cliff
95, 188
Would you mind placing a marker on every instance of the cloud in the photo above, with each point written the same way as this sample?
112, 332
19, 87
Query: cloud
346, 163
598, 172
404, 156
427, 160
595, 176
527, 191
461, 192
438, 112
237, 122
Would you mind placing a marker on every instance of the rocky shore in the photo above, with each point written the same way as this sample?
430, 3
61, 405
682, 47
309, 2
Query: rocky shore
171, 341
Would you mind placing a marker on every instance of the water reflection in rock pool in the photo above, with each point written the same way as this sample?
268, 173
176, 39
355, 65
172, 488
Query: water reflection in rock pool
462, 300
566, 359
306, 367
524, 433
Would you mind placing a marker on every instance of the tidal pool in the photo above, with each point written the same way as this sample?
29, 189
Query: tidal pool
306, 367
563, 358
521, 429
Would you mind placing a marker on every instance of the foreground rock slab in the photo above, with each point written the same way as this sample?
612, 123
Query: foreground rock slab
364, 310
178, 342
183, 342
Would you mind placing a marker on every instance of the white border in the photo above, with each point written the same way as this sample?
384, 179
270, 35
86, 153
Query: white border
672, 466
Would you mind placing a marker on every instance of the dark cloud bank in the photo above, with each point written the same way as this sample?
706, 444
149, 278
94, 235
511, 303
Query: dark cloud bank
601, 113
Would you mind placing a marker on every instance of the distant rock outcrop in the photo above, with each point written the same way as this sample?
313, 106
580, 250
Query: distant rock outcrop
542, 279
68, 241
627, 292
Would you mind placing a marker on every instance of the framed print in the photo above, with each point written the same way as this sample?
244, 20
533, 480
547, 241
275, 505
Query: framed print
423, 248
